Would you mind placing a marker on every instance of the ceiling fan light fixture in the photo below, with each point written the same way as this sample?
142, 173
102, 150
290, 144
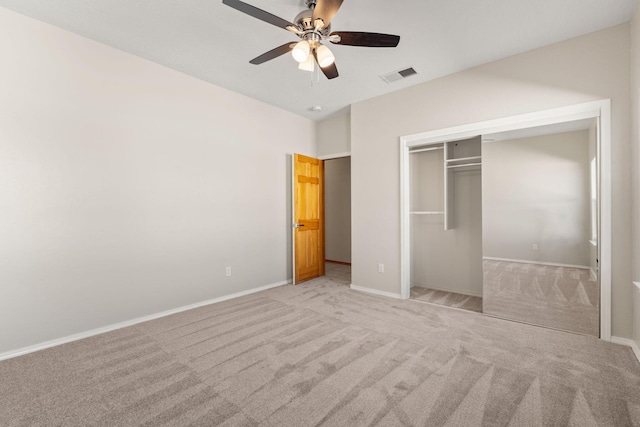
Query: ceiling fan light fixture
307, 65
325, 56
301, 51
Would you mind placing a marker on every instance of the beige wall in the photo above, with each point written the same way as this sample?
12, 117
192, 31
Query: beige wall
592, 67
334, 135
536, 190
635, 165
126, 187
337, 190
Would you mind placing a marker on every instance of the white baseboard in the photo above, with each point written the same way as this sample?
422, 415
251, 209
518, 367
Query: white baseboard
628, 343
376, 292
526, 261
75, 337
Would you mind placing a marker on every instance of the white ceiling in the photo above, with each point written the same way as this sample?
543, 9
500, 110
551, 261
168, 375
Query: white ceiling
214, 42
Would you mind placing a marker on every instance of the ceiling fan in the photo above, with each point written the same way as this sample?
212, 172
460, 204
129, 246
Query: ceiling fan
313, 26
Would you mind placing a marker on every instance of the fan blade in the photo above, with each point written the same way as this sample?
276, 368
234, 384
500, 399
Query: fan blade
326, 10
258, 13
355, 38
273, 53
330, 71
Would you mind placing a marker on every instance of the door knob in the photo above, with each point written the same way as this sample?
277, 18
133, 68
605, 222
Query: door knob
297, 225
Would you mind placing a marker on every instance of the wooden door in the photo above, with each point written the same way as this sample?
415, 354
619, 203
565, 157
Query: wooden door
308, 218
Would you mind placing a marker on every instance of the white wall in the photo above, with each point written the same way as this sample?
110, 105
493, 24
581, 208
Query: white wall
126, 187
635, 162
591, 67
337, 207
536, 191
334, 135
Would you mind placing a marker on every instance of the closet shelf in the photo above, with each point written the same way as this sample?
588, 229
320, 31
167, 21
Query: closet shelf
426, 213
464, 159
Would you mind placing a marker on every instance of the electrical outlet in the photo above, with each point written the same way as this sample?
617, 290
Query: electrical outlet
380, 268
227, 271
535, 246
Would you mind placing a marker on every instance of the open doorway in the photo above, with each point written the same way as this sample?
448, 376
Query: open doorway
321, 212
337, 204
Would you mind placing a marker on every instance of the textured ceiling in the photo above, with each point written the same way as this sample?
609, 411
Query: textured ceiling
214, 42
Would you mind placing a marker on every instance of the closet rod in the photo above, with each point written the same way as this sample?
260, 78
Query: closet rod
463, 166
426, 149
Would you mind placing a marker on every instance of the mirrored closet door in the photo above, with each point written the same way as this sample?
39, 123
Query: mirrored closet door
540, 226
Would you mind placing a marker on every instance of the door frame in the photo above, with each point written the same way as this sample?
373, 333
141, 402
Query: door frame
324, 241
600, 110
293, 213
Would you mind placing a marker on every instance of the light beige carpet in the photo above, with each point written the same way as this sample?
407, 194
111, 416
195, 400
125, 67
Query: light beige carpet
556, 297
450, 299
339, 273
322, 354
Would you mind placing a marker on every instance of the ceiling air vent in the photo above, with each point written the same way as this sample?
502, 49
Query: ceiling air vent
398, 75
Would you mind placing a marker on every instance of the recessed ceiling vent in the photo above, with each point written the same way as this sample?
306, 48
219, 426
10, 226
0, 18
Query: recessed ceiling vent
398, 75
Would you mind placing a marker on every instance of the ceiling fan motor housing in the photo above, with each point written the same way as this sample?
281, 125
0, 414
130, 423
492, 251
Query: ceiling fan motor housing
304, 21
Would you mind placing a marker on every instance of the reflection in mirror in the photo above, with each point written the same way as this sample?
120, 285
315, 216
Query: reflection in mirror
540, 227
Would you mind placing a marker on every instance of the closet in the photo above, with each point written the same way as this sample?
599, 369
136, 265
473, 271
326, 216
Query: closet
446, 217
519, 217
